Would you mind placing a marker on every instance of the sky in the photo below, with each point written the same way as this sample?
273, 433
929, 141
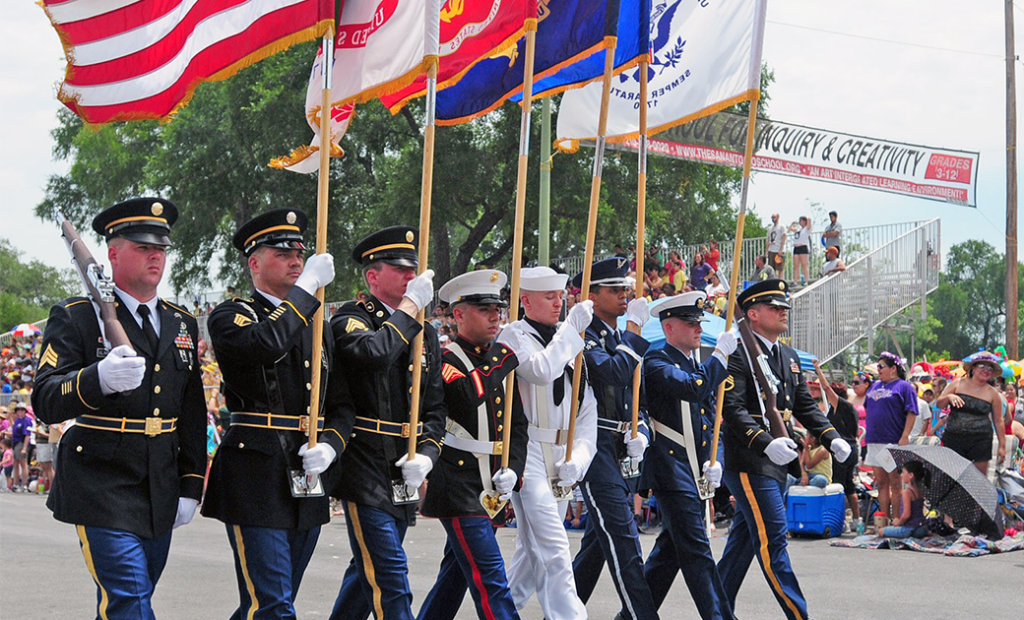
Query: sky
927, 72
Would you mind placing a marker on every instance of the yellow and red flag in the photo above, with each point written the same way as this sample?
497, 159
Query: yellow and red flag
470, 31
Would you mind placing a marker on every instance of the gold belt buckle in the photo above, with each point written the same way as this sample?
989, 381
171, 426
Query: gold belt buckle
787, 414
304, 424
405, 429
497, 447
154, 426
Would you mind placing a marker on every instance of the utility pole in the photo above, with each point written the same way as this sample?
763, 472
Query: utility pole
544, 219
1011, 187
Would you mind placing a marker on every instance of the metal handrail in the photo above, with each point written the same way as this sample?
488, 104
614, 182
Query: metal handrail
837, 311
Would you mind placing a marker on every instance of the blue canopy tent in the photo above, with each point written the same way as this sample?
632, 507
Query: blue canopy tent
713, 326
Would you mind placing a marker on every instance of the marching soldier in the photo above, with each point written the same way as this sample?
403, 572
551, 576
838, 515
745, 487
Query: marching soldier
611, 481
468, 475
377, 481
264, 345
680, 395
755, 463
131, 469
541, 562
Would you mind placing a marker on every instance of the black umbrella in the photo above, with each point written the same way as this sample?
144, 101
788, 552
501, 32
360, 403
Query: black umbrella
957, 488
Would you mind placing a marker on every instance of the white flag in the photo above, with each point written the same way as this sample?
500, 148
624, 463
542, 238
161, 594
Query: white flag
705, 56
382, 45
302, 159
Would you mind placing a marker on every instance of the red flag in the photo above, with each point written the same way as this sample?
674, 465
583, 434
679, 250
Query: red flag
142, 59
471, 30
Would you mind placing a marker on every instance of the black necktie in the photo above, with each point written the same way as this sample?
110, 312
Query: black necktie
147, 328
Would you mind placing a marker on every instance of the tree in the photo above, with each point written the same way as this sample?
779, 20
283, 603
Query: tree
27, 290
212, 162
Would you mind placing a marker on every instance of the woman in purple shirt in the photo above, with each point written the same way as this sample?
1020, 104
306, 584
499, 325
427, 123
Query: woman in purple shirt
891, 406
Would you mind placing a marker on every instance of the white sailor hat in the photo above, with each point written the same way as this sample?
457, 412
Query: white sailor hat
542, 279
687, 306
608, 272
481, 288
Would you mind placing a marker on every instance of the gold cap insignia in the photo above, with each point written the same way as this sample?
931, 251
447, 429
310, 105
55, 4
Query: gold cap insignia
782, 286
157, 208
409, 236
494, 276
700, 304
290, 218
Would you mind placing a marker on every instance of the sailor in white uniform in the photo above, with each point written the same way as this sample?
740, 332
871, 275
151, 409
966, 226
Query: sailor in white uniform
542, 562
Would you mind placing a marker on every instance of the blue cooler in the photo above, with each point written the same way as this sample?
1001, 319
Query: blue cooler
811, 511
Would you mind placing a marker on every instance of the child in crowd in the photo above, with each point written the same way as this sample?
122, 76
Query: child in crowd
8, 463
911, 522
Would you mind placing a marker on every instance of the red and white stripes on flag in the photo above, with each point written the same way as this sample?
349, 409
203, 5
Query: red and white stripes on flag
142, 59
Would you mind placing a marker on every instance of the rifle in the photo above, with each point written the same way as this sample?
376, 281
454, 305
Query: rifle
767, 383
98, 287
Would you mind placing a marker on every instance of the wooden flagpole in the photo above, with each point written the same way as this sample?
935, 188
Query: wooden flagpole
323, 183
588, 255
424, 248
517, 247
748, 155
641, 224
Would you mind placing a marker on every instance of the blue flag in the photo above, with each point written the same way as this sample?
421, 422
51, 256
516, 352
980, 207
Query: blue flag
632, 32
567, 31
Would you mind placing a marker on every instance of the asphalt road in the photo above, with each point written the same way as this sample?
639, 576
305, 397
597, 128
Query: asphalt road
45, 576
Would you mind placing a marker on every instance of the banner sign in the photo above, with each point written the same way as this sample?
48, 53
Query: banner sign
794, 150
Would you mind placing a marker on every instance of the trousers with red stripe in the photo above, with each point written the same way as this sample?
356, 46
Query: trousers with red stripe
759, 530
471, 558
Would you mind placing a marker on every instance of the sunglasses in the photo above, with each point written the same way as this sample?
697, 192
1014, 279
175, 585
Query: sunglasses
856, 382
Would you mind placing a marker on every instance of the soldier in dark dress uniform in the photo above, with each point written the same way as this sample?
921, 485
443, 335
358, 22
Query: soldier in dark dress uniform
132, 467
755, 463
474, 369
680, 395
611, 358
264, 345
373, 342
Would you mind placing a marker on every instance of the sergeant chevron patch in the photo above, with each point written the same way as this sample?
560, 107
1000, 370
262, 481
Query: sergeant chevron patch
241, 320
729, 383
450, 373
354, 324
49, 356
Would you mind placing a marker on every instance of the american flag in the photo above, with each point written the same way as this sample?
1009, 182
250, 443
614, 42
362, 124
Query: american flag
142, 59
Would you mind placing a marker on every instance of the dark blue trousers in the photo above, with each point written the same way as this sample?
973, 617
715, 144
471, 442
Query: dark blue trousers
759, 530
125, 568
471, 556
683, 545
269, 563
445, 597
377, 579
611, 536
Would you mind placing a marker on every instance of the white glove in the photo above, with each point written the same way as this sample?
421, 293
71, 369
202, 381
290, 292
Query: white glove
713, 473
318, 459
781, 450
121, 370
504, 481
638, 311
726, 342
318, 272
635, 447
581, 315
516, 340
841, 449
186, 510
569, 473
420, 290
414, 470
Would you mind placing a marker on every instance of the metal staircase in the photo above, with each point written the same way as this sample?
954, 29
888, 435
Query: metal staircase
837, 311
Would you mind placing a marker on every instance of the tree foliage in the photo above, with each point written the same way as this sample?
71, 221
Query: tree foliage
212, 162
28, 289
